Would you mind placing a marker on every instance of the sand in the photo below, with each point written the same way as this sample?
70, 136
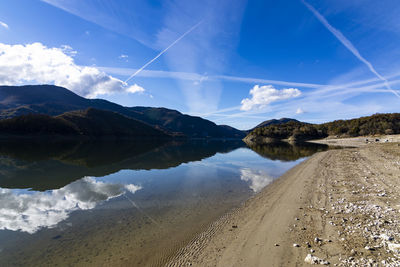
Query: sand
338, 206
358, 141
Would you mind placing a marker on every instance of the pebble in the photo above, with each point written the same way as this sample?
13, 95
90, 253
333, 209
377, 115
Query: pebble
394, 247
317, 239
386, 237
315, 260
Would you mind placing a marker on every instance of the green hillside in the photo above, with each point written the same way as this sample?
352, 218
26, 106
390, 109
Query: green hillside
90, 123
54, 100
301, 131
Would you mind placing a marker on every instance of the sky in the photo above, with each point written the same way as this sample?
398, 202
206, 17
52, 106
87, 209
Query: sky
232, 62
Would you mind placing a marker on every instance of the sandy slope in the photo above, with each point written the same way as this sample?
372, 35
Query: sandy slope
344, 204
358, 141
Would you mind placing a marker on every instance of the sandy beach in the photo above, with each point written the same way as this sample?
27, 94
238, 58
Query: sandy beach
339, 207
358, 141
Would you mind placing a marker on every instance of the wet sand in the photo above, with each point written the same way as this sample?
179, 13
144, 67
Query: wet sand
340, 207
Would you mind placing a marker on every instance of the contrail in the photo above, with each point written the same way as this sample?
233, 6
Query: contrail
191, 76
165, 50
4, 25
346, 42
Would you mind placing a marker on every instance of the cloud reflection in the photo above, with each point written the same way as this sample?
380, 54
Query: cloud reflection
257, 179
28, 212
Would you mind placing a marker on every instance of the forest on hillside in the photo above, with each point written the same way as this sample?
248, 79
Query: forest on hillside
370, 125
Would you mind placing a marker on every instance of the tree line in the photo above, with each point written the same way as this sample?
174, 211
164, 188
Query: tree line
371, 125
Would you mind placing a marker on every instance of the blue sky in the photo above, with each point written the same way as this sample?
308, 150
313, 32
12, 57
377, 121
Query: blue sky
233, 62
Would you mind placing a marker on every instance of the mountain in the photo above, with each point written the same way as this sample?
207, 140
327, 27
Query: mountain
91, 123
273, 122
293, 131
192, 126
54, 100
376, 124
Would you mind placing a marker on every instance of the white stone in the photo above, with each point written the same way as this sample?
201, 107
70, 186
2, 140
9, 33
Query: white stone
386, 237
394, 247
315, 260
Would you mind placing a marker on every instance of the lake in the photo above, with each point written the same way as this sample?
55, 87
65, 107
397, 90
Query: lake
115, 203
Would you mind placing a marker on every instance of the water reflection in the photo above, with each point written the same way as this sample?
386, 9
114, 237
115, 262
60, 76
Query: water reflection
28, 212
288, 152
76, 198
257, 179
43, 166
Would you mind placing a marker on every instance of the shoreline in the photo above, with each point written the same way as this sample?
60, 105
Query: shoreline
357, 141
306, 211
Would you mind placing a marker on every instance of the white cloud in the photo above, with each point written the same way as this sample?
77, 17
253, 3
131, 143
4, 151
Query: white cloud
36, 63
300, 111
124, 57
135, 89
68, 50
257, 179
264, 95
29, 212
4, 25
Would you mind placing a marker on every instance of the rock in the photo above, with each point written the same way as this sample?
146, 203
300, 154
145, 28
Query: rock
353, 252
394, 247
386, 237
296, 245
315, 260
317, 239
276, 245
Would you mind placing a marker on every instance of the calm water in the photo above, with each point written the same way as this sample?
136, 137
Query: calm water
124, 204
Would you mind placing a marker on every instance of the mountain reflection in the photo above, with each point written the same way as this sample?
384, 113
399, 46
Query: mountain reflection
31, 211
44, 165
288, 152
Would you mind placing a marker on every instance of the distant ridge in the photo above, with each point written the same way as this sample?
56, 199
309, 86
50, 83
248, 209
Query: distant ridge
275, 121
54, 100
89, 123
272, 122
